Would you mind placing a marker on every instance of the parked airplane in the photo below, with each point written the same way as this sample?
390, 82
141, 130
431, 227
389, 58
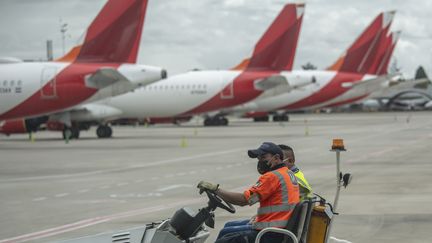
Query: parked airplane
412, 94
358, 68
102, 66
198, 92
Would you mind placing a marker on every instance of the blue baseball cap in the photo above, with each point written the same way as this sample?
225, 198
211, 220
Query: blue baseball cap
266, 147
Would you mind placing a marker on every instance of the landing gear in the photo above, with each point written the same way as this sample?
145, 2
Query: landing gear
261, 119
280, 118
216, 121
71, 133
104, 131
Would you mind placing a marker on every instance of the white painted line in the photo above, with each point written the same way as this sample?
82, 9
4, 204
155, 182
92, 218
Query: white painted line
169, 176
192, 172
83, 190
122, 184
104, 187
39, 199
333, 239
181, 174
139, 181
155, 178
61, 195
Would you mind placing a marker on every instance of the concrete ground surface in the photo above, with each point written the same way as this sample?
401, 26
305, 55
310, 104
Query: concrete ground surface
52, 191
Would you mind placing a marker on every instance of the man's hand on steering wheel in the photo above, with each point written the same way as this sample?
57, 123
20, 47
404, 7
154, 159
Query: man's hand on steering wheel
207, 186
215, 200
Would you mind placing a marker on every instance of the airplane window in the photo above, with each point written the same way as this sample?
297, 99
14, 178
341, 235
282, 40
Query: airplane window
188, 86
172, 87
182, 86
193, 86
199, 86
12, 83
4, 83
19, 82
177, 87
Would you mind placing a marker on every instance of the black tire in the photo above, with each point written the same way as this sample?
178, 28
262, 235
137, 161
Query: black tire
223, 121
109, 131
104, 132
207, 122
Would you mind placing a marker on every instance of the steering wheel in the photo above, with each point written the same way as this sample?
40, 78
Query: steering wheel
219, 202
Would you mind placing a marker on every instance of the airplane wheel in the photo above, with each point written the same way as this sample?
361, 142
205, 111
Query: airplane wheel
223, 121
104, 132
208, 122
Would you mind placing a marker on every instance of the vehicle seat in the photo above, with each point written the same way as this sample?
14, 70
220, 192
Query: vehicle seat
297, 227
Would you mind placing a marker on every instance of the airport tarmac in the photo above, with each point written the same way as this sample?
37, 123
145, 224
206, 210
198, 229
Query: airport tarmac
53, 191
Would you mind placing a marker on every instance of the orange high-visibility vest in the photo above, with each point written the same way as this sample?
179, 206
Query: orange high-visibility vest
278, 193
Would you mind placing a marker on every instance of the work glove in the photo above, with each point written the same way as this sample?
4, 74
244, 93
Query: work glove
207, 186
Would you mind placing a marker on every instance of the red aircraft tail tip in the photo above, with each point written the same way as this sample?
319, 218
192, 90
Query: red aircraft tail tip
276, 48
114, 35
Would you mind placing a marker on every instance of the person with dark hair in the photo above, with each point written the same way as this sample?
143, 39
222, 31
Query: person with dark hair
289, 160
277, 191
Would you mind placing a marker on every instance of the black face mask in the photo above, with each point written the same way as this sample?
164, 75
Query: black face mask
263, 166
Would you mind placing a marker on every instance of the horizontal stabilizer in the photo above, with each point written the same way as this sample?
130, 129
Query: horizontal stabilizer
104, 77
270, 82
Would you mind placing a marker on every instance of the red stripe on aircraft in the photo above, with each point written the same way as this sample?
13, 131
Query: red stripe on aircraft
332, 90
70, 90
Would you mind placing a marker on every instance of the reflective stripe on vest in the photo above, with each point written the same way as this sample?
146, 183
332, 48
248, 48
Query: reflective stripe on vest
279, 224
276, 209
283, 185
284, 207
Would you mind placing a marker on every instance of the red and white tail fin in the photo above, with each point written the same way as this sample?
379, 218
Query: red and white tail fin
383, 67
362, 54
114, 36
277, 47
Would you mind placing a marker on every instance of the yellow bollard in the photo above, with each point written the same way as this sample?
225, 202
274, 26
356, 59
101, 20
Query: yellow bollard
31, 137
184, 143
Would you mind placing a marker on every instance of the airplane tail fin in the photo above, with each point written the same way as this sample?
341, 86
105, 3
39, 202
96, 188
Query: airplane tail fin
392, 40
420, 73
277, 47
114, 35
362, 54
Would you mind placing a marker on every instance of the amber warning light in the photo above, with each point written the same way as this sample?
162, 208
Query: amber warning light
338, 144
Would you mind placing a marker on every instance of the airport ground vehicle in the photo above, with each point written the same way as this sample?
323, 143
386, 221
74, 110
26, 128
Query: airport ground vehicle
310, 222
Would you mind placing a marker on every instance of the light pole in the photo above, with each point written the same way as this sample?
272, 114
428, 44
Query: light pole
63, 30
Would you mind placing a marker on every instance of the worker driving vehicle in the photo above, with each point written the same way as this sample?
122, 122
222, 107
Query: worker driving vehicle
276, 190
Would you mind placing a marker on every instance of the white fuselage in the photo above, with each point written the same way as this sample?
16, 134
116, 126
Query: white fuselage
29, 89
173, 96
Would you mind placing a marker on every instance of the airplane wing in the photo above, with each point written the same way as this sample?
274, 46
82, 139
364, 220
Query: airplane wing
279, 84
104, 77
373, 84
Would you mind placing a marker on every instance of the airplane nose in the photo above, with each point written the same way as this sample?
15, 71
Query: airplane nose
164, 74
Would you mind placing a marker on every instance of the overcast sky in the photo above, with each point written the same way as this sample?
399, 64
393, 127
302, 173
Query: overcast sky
217, 34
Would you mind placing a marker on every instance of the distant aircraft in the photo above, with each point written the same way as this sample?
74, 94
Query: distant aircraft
411, 94
102, 66
198, 92
363, 65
